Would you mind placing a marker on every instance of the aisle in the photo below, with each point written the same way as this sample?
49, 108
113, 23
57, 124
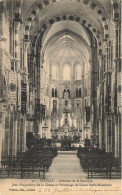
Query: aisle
66, 165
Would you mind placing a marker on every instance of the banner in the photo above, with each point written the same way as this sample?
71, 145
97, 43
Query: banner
119, 100
1, 86
108, 99
38, 108
12, 86
43, 111
23, 97
87, 114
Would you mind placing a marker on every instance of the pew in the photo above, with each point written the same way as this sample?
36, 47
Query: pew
98, 163
28, 163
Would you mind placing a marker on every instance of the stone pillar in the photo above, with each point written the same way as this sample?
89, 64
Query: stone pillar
100, 134
25, 69
100, 67
0, 137
116, 138
3, 134
17, 46
25, 66
9, 124
49, 128
119, 136
110, 136
15, 137
24, 135
94, 70
13, 134
72, 88
106, 133
41, 81
6, 140
40, 129
19, 134
3, 34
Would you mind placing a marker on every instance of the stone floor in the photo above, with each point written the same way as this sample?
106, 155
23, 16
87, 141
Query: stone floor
66, 165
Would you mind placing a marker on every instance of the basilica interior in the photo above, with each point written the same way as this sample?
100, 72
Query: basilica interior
60, 74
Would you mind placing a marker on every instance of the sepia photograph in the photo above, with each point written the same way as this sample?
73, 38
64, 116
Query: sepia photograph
60, 97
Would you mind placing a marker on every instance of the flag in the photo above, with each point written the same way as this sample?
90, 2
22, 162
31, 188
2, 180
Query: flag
23, 97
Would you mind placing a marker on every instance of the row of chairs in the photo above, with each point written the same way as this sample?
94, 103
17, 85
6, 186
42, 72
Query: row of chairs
28, 163
98, 163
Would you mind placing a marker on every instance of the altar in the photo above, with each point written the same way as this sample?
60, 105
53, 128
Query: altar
67, 130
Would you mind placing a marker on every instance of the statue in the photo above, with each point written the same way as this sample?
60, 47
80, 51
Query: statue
66, 94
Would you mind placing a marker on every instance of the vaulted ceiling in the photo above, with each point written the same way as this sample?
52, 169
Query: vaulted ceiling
65, 23
40, 15
66, 40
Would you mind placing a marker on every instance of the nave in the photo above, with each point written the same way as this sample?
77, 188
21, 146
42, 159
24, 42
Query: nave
60, 81
66, 166
48, 163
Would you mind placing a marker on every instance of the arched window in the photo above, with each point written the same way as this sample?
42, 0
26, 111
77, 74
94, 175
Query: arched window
54, 92
78, 72
54, 72
67, 73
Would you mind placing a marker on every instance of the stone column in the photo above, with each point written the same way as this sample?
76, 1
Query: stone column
9, 133
100, 66
3, 134
40, 129
25, 66
3, 35
41, 91
119, 135
25, 69
6, 140
12, 133
116, 137
15, 137
49, 128
24, 135
17, 46
1, 58
116, 56
19, 134
106, 133
0, 137
100, 134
